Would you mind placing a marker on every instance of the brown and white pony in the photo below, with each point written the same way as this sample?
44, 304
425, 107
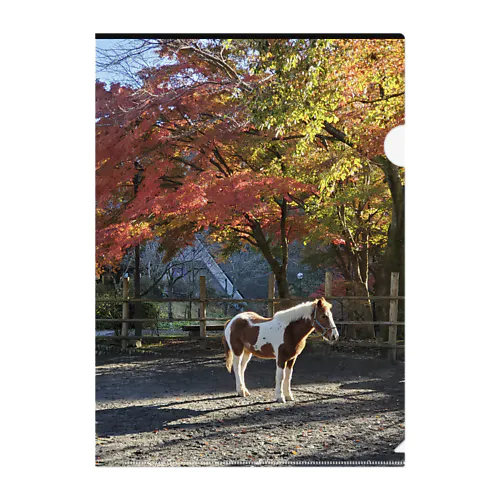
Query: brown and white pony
282, 337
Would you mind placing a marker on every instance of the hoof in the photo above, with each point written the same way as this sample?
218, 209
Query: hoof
245, 393
289, 397
280, 399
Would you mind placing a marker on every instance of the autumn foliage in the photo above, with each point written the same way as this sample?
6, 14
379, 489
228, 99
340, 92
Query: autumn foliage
256, 141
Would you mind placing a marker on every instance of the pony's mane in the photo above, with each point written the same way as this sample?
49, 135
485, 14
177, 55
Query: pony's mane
295, 313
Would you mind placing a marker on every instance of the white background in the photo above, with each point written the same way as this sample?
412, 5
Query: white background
48, 246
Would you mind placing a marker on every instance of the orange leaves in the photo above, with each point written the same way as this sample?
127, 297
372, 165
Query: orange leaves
205, 164
219, 200
113, 240
338, 241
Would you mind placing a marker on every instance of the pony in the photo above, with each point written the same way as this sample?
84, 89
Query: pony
282, 337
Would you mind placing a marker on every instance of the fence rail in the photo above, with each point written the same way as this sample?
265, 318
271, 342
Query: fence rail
343, 343
271, 301
197, 320
224, 299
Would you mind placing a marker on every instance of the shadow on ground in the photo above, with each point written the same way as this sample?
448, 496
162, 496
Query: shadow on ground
173, 410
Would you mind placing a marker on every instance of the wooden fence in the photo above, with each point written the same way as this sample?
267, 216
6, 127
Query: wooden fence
271, 301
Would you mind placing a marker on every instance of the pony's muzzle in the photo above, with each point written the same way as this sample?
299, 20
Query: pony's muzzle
332, 336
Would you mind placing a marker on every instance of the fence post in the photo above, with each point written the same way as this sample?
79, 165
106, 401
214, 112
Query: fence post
203, 308
125, 311
270, 295
328, 284
393, 315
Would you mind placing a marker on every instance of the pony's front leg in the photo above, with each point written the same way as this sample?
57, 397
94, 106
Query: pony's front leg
280, 398
287, 389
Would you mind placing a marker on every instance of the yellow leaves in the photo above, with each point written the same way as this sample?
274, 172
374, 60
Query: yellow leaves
137, 228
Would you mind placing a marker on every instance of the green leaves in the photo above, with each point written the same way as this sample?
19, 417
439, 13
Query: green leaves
263, 105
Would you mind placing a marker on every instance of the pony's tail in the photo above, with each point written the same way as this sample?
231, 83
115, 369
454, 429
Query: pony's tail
227, 350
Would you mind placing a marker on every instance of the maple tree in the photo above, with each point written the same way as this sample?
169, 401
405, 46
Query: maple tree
176, 156
249, 139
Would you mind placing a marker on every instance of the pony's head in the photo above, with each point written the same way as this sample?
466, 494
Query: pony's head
323, 320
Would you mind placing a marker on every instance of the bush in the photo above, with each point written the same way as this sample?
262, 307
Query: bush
113, 310
105, 310
150, 310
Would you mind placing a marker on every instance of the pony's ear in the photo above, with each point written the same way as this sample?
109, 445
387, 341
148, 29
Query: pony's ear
324, 304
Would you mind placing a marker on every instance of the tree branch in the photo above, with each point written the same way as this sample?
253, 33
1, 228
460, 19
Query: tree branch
337, 134
386, 98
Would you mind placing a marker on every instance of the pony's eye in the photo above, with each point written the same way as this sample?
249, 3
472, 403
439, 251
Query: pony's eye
324, 316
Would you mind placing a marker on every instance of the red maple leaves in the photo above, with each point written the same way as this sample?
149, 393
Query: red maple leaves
177, 154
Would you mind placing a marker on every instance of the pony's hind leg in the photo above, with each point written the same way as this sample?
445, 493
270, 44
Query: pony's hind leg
237, 374
244, 362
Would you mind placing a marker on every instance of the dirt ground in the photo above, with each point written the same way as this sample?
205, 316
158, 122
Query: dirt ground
179, 408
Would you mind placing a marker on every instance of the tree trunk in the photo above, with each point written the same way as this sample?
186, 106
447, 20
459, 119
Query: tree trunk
355, 269
394, 256
169, 307
137, 271
137, 290
282, 283
278, 269
365, 307
281, 280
